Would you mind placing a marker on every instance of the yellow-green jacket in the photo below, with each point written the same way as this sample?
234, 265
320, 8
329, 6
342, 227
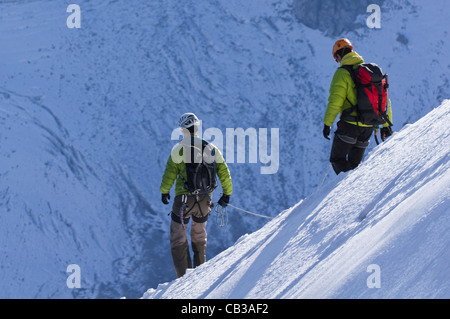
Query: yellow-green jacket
342, 88
175, 168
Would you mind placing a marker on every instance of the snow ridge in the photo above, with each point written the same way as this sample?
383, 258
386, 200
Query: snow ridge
390, 214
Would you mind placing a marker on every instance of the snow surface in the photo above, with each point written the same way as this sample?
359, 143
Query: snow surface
86, 117
391, 212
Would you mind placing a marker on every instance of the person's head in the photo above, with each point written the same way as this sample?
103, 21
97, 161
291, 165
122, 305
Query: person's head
189, 122
341, 48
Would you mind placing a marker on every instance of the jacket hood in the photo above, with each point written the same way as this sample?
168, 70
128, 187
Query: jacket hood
351, 58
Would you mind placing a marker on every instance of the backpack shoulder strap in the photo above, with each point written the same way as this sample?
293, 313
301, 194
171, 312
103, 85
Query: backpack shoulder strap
346, 113
350, 70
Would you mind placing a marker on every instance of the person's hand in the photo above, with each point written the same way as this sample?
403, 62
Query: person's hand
326, 132
165, 198
224, 200
385, 132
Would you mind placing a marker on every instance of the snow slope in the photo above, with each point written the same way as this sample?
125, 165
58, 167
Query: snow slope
390, 217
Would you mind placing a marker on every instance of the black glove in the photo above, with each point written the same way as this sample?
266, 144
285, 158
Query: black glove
326, 132
224, 200
165, 198
385, 132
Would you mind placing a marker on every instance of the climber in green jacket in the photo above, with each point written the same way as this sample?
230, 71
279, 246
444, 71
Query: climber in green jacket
186, 204
351, 137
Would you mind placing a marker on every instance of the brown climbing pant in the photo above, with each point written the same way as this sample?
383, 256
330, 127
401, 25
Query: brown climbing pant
197, 207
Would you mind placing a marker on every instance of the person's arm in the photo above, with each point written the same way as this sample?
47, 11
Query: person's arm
337, 96
169, 176
224, 173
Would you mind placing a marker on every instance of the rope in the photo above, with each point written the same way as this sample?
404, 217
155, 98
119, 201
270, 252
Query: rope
326, 174
246, 211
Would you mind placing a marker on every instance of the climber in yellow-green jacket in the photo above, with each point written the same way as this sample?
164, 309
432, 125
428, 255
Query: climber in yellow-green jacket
351, 137
193, 196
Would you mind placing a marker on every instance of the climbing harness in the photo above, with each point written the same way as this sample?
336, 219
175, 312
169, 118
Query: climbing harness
183, 207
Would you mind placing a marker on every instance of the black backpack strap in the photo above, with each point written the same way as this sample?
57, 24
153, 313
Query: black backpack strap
346, 113
350, 70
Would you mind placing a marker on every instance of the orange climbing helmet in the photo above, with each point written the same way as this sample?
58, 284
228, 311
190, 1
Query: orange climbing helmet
340, 44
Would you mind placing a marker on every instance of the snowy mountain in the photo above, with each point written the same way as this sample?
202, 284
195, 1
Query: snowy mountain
87, 114
380, 231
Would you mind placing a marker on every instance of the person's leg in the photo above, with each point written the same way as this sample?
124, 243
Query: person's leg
178, 240
200, 214
198, 241
338, 155
356, 153
355, 156
179, 248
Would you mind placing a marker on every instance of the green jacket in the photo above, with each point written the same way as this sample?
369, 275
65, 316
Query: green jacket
342, 88
175, 168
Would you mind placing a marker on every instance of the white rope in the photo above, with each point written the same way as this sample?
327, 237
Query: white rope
246, 211
326, 174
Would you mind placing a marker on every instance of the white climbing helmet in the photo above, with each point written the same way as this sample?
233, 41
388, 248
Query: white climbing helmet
187, 120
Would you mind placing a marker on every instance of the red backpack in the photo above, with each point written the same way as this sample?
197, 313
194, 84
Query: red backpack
371, 91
